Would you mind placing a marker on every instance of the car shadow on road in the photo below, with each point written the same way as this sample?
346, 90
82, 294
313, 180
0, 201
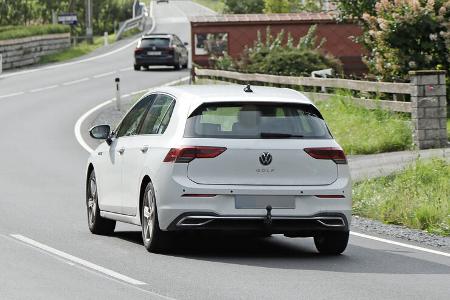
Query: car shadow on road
278, 252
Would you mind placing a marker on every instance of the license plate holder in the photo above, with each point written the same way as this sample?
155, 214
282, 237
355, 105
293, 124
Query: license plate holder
261, 202
154, 53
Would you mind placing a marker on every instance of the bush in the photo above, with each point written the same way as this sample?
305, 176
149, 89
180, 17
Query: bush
14, 32
406, 35
418, 197
280, 55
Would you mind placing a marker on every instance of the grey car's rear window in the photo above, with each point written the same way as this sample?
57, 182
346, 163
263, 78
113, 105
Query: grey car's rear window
255, 120
155, 42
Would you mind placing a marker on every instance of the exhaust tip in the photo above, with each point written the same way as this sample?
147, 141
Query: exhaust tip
331, 221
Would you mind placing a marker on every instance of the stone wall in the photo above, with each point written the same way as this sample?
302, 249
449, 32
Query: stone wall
27, 51
429, 109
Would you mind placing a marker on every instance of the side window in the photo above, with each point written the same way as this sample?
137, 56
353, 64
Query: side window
158, 116
130, 124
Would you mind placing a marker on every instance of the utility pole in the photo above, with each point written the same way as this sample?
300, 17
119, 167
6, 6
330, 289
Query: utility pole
89, 31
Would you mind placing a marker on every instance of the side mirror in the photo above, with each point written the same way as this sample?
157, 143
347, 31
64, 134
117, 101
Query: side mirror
100, 132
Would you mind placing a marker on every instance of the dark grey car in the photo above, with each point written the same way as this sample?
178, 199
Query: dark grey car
160, 50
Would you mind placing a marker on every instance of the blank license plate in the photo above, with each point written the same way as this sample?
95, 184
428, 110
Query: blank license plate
154, 53
244, 201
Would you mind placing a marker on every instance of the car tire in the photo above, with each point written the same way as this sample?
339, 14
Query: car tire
155, 240
333, 243
137, 67
178, 65
96, 223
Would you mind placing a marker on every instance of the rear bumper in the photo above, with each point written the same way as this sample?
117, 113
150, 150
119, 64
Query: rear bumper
288, 225
155, 60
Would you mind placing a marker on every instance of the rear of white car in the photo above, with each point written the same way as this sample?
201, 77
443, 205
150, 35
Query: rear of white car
206, 158
256, 165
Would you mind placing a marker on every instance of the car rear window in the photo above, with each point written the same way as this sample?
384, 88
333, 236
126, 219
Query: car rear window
256, 120
155, 42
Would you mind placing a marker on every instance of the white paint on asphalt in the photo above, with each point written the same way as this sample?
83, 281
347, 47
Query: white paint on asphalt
126, 69
374, 238
104, 74
77, 260
44, 88
76, 81
12, 95
70, 63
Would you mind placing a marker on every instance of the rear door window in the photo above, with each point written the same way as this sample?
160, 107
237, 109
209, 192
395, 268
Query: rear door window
158, 116
256, 120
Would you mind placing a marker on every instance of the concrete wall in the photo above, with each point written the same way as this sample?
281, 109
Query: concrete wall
27, 51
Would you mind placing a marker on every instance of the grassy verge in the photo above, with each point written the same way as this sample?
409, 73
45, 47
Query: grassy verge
362, 131
76, 51
418, 197
15, 32
216, 5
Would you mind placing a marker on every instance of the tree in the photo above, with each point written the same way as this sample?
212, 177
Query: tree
277, 6
244, 7
354, 9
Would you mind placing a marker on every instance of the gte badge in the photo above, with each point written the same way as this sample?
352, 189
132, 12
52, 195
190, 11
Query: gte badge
265, 158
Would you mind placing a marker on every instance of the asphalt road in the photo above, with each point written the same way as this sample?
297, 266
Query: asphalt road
42, 199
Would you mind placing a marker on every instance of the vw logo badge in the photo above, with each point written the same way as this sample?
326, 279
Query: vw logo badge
265, 158
154, 48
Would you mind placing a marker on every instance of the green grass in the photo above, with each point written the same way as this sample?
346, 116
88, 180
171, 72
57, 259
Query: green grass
15, 32
362, 131
76, 51
418, 197
216, 5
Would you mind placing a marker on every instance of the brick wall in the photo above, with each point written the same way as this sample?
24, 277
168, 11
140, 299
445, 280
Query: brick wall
240, 34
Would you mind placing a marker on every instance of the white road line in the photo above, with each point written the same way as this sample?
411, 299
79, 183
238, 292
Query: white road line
76, 81
126, 69
80, 121
77, 260
104, 74
70, 63
362, 235
44, 88
12, 95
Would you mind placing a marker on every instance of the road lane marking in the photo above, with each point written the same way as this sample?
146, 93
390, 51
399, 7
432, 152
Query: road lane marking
77, 260
126, 69
71, 63
76, 81
104, 74
44, 88
370, 237
12, 95
80, 121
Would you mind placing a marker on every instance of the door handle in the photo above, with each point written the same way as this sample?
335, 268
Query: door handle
121, 151
144, 149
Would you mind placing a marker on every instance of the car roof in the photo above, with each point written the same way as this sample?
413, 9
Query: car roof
233, 92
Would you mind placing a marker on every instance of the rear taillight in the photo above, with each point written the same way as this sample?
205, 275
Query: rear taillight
335, 154
187, 154
138, 50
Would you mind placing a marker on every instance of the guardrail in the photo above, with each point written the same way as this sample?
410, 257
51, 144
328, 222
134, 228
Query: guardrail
140, 22
427, 91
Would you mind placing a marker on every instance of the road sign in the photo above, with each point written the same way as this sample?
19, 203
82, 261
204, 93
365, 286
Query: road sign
68, 19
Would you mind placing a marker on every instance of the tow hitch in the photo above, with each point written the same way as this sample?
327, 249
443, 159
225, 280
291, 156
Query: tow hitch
268, 218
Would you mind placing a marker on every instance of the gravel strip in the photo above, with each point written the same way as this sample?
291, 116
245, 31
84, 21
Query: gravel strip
364, 225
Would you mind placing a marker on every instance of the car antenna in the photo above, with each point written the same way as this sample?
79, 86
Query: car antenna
248, 89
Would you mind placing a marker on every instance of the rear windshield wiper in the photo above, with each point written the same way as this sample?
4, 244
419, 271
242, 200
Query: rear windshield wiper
279, 135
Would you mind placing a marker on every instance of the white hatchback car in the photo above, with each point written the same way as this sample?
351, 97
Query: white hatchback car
253, 159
